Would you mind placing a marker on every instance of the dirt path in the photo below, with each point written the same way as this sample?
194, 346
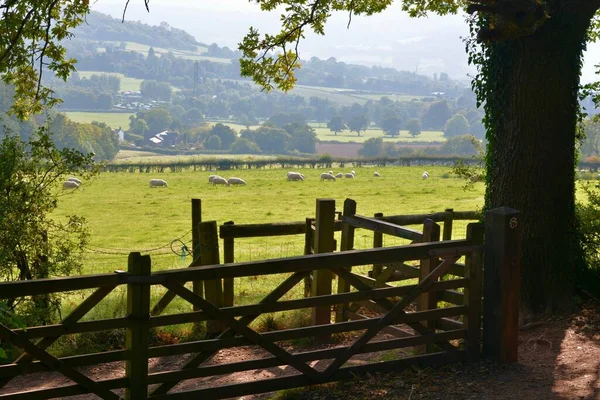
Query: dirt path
559, 358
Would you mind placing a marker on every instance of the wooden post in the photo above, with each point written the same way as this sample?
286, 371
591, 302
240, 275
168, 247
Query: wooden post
228, 257
474, 273
448, 220
377, 242
308, 249
428, 300
137, 336
347, 244
209, 255
502, 283
324, 243
196, 220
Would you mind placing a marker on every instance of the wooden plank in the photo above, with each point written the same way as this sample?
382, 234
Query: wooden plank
419, 219
80, 327
458, 269
209, 255
473, 292
10, 370
56, 365
372, 224
9, 290
448, 324
270, 362
137, 336
75, 315
390, 330
242, 329
392, 315
271, 229
198, 359
324, 243
228, 257
63, 391
428, 300
198, 285
308, 249
502, 277
377, 243
451, 296
261, 308
448, 222
213, 345
273, 384
321, 261
347, 244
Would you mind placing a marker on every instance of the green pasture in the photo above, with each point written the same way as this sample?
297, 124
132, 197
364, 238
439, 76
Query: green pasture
145, 157
112, 119
127, 83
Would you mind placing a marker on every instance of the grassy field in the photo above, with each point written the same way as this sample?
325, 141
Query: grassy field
124, 214
112, 119
189, 55
127, 83
144, 157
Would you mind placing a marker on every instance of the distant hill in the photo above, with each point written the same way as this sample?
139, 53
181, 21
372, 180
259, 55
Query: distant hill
102, 27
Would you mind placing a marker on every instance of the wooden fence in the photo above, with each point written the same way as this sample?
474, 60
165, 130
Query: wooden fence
446, 326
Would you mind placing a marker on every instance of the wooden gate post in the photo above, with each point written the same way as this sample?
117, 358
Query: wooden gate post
137, 336
377, 242
474, 273
347, 244
324, 243
502, 284
428, 300
309, 242
196, 220
209, 255
448, 221
228, 257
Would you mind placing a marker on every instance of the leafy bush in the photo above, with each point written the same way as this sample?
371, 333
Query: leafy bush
588, 215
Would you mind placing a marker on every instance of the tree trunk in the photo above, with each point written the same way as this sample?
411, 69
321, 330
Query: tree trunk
532, 109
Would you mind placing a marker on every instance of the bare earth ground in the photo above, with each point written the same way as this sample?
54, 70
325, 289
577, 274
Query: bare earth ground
559, 358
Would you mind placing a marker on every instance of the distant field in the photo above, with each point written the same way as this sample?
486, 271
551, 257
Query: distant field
146, 157
114, 120
127, 83
324, 134
190, 55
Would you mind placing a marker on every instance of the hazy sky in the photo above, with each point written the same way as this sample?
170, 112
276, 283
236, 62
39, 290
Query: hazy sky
427, 45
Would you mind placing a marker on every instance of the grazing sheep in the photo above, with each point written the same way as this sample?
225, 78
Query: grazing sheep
353, 173
70, 185
349, 175
211, 177
218, 180
295, 176
330, 172
236, 181
339, 175
425, 175
158, 183
328, 177
376, 174
73, 179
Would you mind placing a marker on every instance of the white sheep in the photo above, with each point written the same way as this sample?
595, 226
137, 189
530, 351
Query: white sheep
353, 173
425, 175
349, 175
339, 175
73, 179
70, 185
211, 177
376, 174
330, 172
158, 183
218, 180
295, 176
327, 176
236, 181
